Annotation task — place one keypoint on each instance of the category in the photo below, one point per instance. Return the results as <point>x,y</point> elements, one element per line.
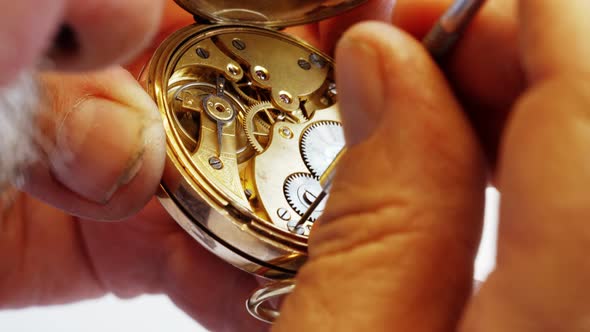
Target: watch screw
<point>261,75</point>
<point>216,163</point>
<point>202,53</point>
<point>285,98</point>
<point>304,64</point>
<point>317,60</point>
<point>299,230</point>
<point>286,132</point>
<point>332,91</point>
<point>284,214</point>
<point>234,70</point>
<point>239,44</point>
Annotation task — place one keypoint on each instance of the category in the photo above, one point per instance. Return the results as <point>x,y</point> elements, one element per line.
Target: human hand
<point>105,158</point>
<point>97,126</point>
<point>395,248</point>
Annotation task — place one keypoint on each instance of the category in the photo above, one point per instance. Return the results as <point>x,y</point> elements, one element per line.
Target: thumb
<point>541,280</point>
<point>395,248</point>
<point>104,142</point>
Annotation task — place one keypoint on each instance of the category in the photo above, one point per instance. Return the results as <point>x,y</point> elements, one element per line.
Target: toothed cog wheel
<point>301,190</point>
<point>321,143</point>
<point>247,92</point>
<point>257,123</point>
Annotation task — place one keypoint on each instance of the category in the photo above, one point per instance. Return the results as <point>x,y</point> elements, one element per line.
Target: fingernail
<point>99,148</point>
<point>360,87</point>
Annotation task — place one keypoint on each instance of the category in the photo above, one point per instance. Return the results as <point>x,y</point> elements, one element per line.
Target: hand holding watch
<point>253,129</point>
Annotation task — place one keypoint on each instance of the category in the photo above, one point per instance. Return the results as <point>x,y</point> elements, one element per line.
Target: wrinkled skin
<point>396,245</point>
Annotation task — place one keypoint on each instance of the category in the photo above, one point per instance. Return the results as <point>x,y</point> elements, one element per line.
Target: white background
<point>157,313</point>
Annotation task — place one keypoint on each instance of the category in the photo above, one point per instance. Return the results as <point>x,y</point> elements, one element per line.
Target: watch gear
<point>248,92</point>
<point>257,124</point>
<point>259,119</point>
<point>321,143</point>
<point>301,191</point>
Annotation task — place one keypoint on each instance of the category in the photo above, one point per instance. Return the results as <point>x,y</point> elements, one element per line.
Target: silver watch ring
<point>257,304</point>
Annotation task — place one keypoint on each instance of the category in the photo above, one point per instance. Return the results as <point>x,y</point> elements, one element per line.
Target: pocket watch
<point>253,129</point>
<point>252,126</point>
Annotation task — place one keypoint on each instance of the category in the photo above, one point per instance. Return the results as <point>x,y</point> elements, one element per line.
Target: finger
<point>25,32</point>
<point>541,280</point>
<point>146,254</point>
<point>105,145</point>
<point>173,19</point>
<point>487,53</point>
<point>326,33</point>
<point>395,247</point>
<point>159,257</point>
<point>85,34</point>
<point>554,38</point>
<point>98,33</point>
<point>332,29</point>
<point>310,33</point>
<point>484,68</point>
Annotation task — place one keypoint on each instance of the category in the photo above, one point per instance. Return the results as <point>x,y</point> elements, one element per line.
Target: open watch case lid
<point>269,13</point>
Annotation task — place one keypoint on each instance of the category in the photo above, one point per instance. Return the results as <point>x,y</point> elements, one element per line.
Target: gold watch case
<point>252,129</point>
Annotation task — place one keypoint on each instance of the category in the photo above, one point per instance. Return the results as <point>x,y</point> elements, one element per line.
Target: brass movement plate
<point>252,125</point>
